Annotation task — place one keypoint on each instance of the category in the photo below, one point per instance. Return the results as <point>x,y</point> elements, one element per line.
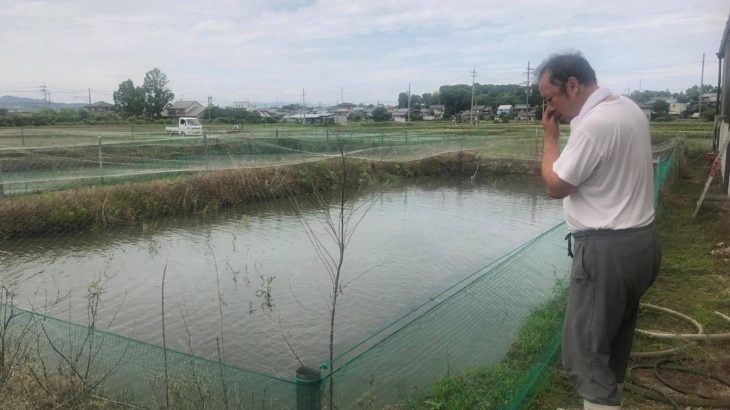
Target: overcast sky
<point>360,51</point>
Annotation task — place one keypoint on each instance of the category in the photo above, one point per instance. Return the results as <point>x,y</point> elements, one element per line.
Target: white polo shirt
<point>608,159</point>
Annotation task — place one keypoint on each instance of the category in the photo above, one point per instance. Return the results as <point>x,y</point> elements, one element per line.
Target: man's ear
<point>572,86</point>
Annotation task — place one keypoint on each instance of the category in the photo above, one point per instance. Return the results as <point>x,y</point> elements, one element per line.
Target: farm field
<point>40,159</point>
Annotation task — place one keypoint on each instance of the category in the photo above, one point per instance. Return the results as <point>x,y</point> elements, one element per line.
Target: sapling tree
<point>340,220</point>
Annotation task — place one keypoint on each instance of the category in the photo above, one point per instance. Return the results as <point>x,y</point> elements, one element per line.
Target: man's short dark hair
<point>564,66</point>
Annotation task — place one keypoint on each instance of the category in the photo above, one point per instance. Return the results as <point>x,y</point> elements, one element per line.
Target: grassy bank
<point>130,203</point>
<point>498,386</point>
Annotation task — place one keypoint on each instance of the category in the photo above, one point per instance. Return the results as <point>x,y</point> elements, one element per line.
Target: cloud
<point>262,49</point>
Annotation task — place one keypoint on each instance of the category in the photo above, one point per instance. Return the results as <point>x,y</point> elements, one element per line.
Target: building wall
<point>723,145</point>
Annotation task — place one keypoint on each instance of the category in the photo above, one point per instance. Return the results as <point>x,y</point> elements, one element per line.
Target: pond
<point>250,281</point>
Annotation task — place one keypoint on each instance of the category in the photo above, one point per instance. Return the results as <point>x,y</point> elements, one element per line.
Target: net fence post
<point>2,184</point>
<point>22,136</point>
<point>308,391</point>
<point>101,164</point>
<point>205,150</point>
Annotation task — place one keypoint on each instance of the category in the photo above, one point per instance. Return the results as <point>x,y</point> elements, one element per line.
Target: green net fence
<point>38,160</point>
<point>500,325</point>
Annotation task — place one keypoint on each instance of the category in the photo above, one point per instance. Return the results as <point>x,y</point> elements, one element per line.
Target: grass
<point>22,391</point>
<point>495,387</point>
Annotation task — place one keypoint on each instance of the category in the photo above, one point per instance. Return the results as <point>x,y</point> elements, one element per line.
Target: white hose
<point>699,336</point>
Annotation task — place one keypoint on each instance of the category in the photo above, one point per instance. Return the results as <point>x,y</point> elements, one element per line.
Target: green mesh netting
<point>50,162</point>
<point>491,320</point>
<point>134,372</point>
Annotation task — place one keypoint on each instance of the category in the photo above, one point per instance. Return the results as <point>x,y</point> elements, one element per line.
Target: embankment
<point>130,203</point>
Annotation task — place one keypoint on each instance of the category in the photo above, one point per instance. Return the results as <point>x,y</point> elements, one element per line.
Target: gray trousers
<point>611,271</point>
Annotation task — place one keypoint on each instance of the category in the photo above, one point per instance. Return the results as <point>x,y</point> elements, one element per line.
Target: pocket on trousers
<point>579,275</point>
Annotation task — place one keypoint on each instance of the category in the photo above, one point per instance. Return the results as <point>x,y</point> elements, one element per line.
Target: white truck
<point>186,126</point>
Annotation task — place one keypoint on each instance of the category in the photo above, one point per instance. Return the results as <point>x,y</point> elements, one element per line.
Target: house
<point>678,109</point>
<point>437,110</point>
<point>709,100</point>
<point>184,108</point>
<point>244,105</point>
<point>722,141</point>
<point>314,118</point>
<point>524,112</point>
<point>270,113</point>
<point>99,107</point>
<point>341,115</point>
<point>400,114</point>
<point>504,110</point>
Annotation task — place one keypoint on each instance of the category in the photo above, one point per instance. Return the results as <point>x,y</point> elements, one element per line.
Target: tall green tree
<point>381,114</point>
<point>661,107</point>
<point>403,100</point>
<point>129,100</point>
<point>157,95</point>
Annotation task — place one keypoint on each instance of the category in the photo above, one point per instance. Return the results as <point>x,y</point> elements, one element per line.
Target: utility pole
<point>527,98</point>
<point>471,111</point>
<point>89,97</point>
<point>210,106</point>
<point>302,108</point>
<point>699,98</point>
<point>408,114</point>
<point>46,95</point>
<point>342,96</point>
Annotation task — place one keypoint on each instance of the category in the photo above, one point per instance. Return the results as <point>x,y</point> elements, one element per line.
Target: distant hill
<point>22,104</point>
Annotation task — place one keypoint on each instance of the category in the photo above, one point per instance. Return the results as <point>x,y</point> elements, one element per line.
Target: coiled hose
<point>702,400</point>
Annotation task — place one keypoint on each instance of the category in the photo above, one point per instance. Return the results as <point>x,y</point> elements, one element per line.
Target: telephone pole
<point>471,111</point>
<point>527,98</point>
<point>408,114</point>
<point>302,109</point>
<point>46,95</point>
<point>699,98</point>
<point>210,105</point>
<point>89,97</point>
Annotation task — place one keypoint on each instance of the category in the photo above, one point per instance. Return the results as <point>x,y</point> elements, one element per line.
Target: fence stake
<point>101,166</point>
<point>22,136</point>
<point>406,137</point>
<point>2,184</point>
<point>205,150</point>
<point>277,136</point>
<point>308,392</point>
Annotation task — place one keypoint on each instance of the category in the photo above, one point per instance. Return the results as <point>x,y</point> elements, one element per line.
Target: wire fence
<point>54,164</point>
<point>451,333</point>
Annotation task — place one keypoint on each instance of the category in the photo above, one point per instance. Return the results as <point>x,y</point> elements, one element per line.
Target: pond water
<point>249,280</point>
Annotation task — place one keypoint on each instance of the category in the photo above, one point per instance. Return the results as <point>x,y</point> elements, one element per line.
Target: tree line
<point>148,100</point>
<point>457,98</point>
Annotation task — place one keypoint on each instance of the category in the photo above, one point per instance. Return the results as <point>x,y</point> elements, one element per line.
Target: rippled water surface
<point>251,279</point>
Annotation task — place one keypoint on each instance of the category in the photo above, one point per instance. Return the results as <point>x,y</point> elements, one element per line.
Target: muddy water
<point>251,278</point>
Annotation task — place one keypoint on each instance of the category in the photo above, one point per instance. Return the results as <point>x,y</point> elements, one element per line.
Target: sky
<point>273,51</point>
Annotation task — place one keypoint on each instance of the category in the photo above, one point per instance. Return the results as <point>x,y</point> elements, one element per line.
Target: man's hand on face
<point>550,123</point>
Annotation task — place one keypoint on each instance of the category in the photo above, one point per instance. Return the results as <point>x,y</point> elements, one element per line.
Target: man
<point>605,178</point>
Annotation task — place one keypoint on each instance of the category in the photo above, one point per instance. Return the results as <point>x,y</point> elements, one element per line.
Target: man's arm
<point>556,187</point>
